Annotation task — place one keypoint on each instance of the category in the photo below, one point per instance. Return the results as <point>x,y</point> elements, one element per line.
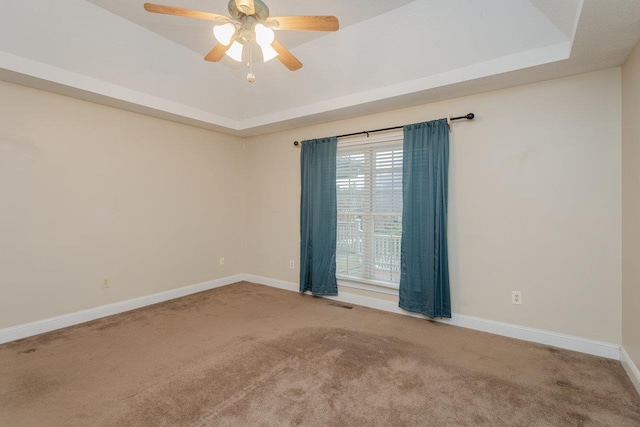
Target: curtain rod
<point>469,116</point>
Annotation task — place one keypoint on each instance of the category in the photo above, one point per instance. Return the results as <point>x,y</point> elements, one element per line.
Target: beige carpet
<point>247,354</point>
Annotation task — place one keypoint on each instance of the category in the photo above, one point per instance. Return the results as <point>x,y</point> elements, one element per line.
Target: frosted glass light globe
<point>224,33</point>
<point>235,52</point>
<point>264,35</point>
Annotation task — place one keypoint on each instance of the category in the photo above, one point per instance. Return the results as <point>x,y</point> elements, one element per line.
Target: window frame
<point>382,139</point>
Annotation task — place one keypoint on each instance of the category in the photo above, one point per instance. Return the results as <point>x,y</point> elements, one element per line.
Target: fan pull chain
<point>250,76</point>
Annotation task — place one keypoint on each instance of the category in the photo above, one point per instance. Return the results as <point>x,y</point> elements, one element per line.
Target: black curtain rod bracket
<point>469,116</point>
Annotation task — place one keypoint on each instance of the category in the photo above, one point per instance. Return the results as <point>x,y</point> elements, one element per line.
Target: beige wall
<point>631,206</point>
<point>535,202</point>
<point>88,192</point>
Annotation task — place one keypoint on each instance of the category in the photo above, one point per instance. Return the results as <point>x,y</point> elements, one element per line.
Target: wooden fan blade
<point>286,57</point>
<point>188,13</point>
<point>246,6</point>
<point>217,52</point>
<point>303,23</point>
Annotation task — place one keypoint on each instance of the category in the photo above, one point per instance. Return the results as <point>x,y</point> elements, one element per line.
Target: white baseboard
<point>631,368</point>
<point>569,342</point>
<point>541,336</point>
<point>274,283</point>
<point>28,329</point>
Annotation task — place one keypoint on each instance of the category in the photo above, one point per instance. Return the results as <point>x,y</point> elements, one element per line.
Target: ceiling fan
<point>249,21</point>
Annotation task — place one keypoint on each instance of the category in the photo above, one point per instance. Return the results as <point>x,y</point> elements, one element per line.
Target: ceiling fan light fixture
<point>249,23</point>
<point>264,35</point>
<point>235,52</point>
<point>223,33</point>
<point>268,52</point>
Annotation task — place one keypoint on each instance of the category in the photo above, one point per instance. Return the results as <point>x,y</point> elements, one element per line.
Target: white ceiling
<point>387,54</point>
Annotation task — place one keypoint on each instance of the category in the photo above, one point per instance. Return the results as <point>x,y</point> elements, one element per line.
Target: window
<point>369,192</point>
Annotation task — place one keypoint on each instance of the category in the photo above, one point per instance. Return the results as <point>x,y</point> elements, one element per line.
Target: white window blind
<point>369,192</point>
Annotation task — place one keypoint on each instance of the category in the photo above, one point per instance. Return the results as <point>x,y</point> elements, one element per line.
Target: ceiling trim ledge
<point>492,67</point>
<point>46,77</point>
<point>35,74</point>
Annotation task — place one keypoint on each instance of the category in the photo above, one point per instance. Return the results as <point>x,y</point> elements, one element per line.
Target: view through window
<point>369,191</point>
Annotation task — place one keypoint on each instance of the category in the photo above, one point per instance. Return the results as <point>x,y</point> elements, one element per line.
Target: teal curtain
<point>318,217</point>
<point>424,265</point>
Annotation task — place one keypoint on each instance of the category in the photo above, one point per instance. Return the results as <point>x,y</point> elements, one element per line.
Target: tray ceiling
<point>387,54</point>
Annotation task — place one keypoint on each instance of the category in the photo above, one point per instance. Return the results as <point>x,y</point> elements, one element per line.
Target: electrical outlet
<point>222,261</point>
<point>292,264</point>
<point>105,283</point>
<point>516,297</point>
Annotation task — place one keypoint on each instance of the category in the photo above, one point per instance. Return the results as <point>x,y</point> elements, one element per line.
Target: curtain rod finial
<point>296,143</point>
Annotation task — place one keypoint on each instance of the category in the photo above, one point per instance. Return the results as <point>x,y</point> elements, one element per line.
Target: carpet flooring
<point>246,354</point>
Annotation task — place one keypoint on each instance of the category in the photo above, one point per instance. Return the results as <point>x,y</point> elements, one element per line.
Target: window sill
<point>371,286</point>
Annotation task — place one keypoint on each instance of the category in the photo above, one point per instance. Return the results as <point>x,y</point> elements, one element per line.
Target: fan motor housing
<point>246,32</point>
<point>262,11</point>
